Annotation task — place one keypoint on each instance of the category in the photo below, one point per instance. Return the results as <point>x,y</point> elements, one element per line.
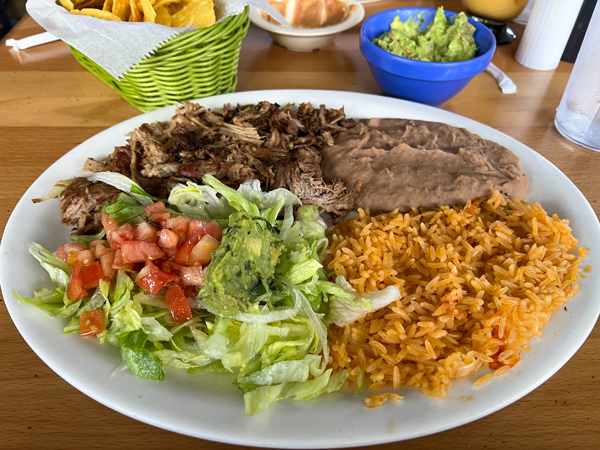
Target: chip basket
<point>199,63</point>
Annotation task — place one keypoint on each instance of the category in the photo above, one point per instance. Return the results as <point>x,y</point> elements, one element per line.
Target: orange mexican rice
<point>477,283</point>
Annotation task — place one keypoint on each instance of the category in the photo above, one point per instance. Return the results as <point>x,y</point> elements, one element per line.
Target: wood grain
<point>49,104</point>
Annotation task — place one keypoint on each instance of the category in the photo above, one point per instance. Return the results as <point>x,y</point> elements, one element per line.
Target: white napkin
<point>118,46</point>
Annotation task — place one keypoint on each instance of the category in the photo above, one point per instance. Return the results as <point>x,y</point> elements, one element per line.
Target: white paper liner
<point>119,46</point>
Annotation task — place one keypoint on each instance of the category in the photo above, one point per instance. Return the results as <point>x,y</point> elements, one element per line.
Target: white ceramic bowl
<point>308,39</point>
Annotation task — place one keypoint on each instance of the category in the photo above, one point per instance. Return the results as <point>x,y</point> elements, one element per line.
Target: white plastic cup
<point>523,18</point>
<point>578,114</point>
<point>547,33</point>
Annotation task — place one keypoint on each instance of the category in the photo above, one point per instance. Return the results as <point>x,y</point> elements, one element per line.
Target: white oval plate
<point>209,406</point>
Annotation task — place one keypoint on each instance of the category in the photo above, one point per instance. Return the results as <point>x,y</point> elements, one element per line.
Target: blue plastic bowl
<point>431,83</point>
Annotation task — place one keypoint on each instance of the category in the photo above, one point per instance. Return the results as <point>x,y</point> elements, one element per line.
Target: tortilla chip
<point>81,4</point>
<point>97,13</point>
<point>147,10</point>
<point>163,3</point>
<point>122,9</point>
<point>67,4</point>
<point>199,13</point>
<point>136,13</point>
<point>163,17</point>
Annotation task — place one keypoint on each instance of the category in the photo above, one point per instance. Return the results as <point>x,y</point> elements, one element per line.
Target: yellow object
<point>121,8</point>
<point>200,13</point>
<point>98,13</point>
<point>163,17</point>
<point>67,4</point>
<point>148,10</point>
<point>500,10</point>
<point>175,13</point>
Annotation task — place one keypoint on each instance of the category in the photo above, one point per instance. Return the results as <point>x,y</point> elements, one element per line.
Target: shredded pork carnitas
<point>279,146</point>
<point>82,201</point>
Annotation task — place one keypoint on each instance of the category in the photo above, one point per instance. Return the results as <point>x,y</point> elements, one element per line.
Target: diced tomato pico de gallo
<point>166,252</point>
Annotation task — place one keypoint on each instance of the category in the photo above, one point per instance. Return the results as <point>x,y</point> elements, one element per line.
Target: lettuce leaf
<point>59,271</point>
<point>53,302</point>
<point>200,202</point>
<point>124,184</point>
<point>347,305</point>
<point>139,359</point>
<point>216,201</point>
<point>261,398</point>
<point>86,239</point>
<point>121,293</point>
<point>126,209</point>
<point>235,199</point>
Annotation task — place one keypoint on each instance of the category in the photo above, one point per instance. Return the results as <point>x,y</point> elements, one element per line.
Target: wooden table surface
<point>49,104</point>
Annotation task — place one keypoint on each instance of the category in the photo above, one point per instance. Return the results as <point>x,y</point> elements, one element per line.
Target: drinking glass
<point>578,114</point>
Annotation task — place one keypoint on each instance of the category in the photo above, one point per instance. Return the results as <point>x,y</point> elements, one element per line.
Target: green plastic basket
<point>196,64</point>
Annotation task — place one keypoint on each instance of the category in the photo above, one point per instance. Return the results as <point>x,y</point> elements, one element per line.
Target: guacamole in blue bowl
<point>432,81</point>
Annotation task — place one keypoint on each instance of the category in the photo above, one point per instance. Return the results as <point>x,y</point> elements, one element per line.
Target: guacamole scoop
<point>244,262</point>
<point>441,41</point>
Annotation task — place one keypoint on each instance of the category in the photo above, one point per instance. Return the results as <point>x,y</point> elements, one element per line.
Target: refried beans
<point>406,163</point>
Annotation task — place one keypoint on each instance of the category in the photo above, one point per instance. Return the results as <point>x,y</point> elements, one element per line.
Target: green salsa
<point>441,41</point>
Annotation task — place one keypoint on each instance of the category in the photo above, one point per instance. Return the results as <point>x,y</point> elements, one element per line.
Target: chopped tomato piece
<point>167,239</point>
<point>156,206</point>
<point>215,230</point>
<point>169,252</point>
<point>178,304</point>
<point>118,262</point>
<point>152,279</point>
<point>185,275</point>
<point>182,256</point>
<point>157,212</point>
<point>61,253</point>
<point>69,252</point>
<point>191,291</point>
<point>146,232</point>
<point>196,230</point>
<point>173,269</point>
<point>75,289</point>
<point>202,251</point>
<point>178,224</point>
<point>109,223</point>
<point>169,266</point>
<point>140,251</point>
<point>86,257</point>
<point>99,247</point>
<point>74,247</point>
<point>199,228</point>
<point>96,242</point>
<point>191,276</point>
<point>91,275</point>
<point>119,235</point>
<point>107,263</point>
<point>91,323</point>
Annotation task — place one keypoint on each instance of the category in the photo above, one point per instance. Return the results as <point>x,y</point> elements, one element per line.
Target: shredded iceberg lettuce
<point>347,305</point>
<point>124,184</point>
<point>274,334</point>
